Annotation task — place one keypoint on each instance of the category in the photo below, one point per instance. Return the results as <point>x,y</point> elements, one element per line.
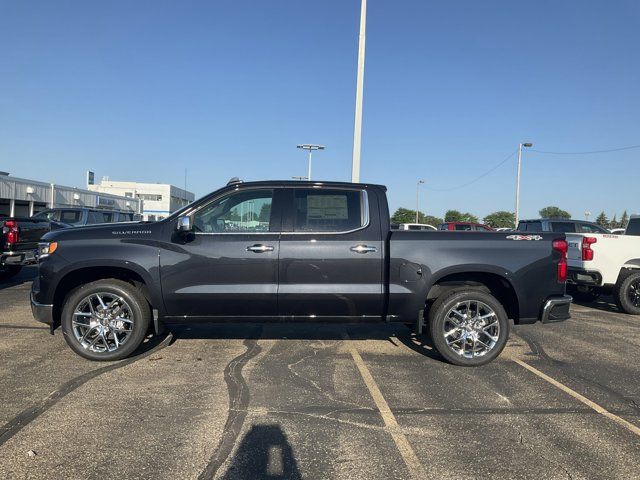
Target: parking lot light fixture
<point>520,147</point>
<point>310,148</point>
<point>420,182</point>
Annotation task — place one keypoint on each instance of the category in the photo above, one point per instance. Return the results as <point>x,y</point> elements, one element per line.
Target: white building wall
<point>159,199</point>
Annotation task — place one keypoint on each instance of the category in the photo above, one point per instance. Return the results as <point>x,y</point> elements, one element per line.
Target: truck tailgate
<point>30,232</point>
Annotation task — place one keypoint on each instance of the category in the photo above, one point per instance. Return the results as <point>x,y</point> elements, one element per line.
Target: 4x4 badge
<point>524,237</point>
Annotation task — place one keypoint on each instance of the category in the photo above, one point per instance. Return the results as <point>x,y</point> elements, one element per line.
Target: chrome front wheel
<point>102,322</point>
<point>106,319</point>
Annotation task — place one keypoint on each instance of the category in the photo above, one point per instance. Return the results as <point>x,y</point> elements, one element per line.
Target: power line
<point>477,178</point>
<point>630,147</point>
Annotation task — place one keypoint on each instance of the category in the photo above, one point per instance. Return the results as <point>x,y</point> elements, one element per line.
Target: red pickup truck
<point>19,238</point>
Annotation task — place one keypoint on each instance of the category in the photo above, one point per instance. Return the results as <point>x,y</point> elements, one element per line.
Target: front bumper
<point>41,312</point>
<point>556,309</point>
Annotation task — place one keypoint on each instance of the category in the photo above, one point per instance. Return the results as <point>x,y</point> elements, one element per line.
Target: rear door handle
<point>363,249</point>
<point>259,248</point>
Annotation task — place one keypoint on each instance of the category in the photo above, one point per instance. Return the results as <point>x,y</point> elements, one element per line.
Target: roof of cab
<point>306,183</point>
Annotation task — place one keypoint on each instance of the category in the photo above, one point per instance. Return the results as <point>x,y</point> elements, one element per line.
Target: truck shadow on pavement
<point>25,276</point>
<point>603,303</point>
<point>396,334</point>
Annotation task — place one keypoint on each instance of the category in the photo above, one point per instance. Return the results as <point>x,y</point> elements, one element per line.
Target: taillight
<point>562,247</point>
<point>11,231</point>
<point>587,253</point>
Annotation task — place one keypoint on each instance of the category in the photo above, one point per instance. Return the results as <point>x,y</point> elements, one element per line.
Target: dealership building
<point>22,197</point>
<point>159,199</point>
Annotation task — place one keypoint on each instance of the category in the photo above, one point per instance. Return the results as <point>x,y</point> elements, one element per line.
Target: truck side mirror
<point>184,224</point>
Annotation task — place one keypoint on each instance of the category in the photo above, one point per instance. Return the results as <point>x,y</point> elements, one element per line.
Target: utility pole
<point>418,198</point>
<point>357,129</point>
<point>526,145</point>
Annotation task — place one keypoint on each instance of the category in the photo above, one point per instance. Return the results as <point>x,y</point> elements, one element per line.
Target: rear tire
<point>9,271</point>
<point>627,294</point>
<point>99,333</point>
<point>468,327</point>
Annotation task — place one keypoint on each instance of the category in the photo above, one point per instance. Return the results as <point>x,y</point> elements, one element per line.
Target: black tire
<point>583,294</point>
<point>9,271</point>
<point>439,316</point>
<point>627,294</point>
<point>139,310</point>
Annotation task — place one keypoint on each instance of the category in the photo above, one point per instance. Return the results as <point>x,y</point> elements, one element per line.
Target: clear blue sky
<point>140,90</point>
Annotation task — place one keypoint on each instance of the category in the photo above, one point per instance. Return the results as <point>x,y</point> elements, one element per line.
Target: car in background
<point>465,227</point>
<point>504,229</point>
<point>80,216</point>
<point>560,225</point>
<point>617,231</point>
<point>416,226</point>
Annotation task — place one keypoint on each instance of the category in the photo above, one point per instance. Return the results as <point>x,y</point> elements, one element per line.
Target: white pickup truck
<point>606,263</point>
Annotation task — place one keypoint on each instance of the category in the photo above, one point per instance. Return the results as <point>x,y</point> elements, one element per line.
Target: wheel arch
<point>494,283</point>
<point>127,272</point>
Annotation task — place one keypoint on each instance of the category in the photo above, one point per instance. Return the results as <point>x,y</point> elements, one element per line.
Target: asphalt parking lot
<point>320,401</point>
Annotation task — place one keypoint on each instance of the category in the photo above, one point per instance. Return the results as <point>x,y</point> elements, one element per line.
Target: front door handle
<point>363,249</point>
<point>259,248</point>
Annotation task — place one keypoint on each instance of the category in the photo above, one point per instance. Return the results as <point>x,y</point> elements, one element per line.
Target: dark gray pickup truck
<point>296,251</point>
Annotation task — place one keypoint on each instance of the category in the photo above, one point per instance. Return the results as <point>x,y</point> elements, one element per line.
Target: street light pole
<point>310,148</point>
<point>526,145</point>
<point>418,198</point>
<point>357,128</point>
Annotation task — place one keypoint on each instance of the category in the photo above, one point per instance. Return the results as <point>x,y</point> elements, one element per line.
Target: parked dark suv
<point>562,225</point>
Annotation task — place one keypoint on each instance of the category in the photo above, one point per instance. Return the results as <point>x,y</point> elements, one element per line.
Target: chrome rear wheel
<point>471,329</point>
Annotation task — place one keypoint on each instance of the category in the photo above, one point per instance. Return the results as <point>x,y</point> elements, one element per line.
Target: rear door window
<point>465,228</point>
<point>563,227</point>
<point>330,210</point>
<point>71,217</point>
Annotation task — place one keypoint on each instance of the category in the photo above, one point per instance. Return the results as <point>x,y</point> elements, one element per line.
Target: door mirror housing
<point>184,224</point>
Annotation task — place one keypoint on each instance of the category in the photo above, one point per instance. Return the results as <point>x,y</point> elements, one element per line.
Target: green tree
<point>456,216</point>
<point>602,220</point>
<point>554,212</point>
<point>614,222</point>
<point>404,215</point>
<point>500,219</point>
<point>431,220</point>
<point>624,219</point>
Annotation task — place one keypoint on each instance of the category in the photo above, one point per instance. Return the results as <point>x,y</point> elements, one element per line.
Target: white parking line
<point>601,410</point>
<point>408,455</point>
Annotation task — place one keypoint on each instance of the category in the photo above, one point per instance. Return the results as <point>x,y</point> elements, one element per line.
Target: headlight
<point>46,248</point>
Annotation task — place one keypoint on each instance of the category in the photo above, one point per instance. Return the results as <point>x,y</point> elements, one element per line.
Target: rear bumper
<point>41,312</point>
<point>556,309</point>
<point>580,276</point>
<point>23,257</point>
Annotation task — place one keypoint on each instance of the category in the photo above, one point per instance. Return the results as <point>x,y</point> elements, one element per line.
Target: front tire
<point>468,327</point>
<point>627,294</point>
<point>105,320</point>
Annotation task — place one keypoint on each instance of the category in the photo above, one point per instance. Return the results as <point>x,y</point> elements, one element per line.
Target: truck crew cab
<point>296,251</point>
